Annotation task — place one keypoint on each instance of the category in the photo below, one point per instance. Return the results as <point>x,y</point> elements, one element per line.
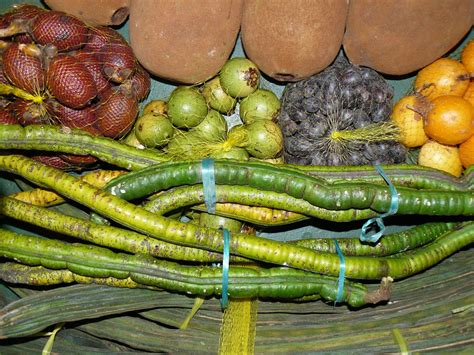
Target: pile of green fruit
<point>192,123</point>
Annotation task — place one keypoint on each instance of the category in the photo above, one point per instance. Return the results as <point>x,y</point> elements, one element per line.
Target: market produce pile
<point>438,116</point>
<point>166,209</point>
<point>57,70</point>
<point>340,117</point>
<point>191,125</point>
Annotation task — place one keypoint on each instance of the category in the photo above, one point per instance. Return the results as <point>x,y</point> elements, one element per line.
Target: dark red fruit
<point>54,161</point>
<point>70,82</point>
<point>100,36</point>
<point>16,22</point>
<point>116,113</point>
<point>140,81</point>
<point>22,12</point>
<point>23,38</point>
<point>23,70</point>
<point>79,160</point>
<point>64,31</point>
<point>95,68</point>
<point>118,61</point>
<point>25,12</point>
<point>28,113</point>
<point>4,21</point>
<point>84,119</point>
<point>7,116</point>
<point>3,78</point>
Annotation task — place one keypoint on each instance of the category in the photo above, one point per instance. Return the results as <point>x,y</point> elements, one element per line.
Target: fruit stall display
<point>188,181</point>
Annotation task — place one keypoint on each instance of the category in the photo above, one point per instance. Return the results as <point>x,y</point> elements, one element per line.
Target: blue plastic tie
<point>379,220</point>
<point>225,269</point>
<point>209,184</point>
<point>342,273</point>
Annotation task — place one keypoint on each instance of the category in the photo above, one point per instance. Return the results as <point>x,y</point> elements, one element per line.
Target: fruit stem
<point>16,27</point>
<point>372,133</point>
<point>11,90</point>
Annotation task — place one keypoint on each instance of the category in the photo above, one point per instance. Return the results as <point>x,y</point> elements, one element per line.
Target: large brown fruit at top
<point>400,36</point>
<point>23,70</point>
<point>189,41</point>
<point>103,12</point>
<point>64,31</point>
<point>291,40</point>
<point>70,82</point>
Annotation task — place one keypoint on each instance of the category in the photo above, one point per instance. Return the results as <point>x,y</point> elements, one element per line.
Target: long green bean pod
<point>76,141</point>
<point>133,242</point>
<point>107,236</point>
<point>296,184</point>
<point>248,246</point>
<point>244,282</point>
<point>390,244</point>
<point>261,216</point>
<point>191,195</point>
<point>57,139</point>
<point>408,175</point>
<point>41,276</point>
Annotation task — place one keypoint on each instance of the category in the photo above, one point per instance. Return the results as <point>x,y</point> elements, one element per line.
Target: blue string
<point>209,184</point>
<point>225,269</point>
<point>379,220</point>
<point>342,273</point>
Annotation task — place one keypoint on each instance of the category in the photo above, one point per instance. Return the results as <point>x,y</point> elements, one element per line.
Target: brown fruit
<point>7,116</point>
<point>3,78</point>
<point>104,12</point>
<point>5,20</point>
<point>291,40</point>
<point>100,36</point>
<point>140,82</point>
<point>78,160</point>
<point>16,22</point>
<point>116,113</point>
<point>62,30</point>
<point>84,118</point>
<point>22,70</point>
<point>23,38</point>
<point>400,36</point>
<point>54,161</point>
<point>189,41</point>
<point>28,113</point>
<point>70,82</point>
<point>118,61</point>
<point>25,12</point>
<point>95,69</point>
